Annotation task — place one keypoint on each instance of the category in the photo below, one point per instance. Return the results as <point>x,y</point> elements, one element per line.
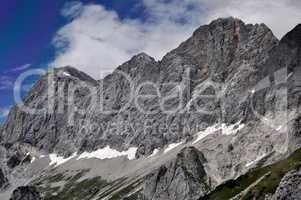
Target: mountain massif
<point>217,118</point>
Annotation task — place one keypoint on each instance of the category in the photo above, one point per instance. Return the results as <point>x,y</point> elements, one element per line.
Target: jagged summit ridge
<point>215,52</point>
<point>73,72</point>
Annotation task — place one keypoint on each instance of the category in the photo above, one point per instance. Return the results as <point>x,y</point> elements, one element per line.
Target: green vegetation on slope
<point>85,189</point>
<point>61,186</point>
<point>268,185</point>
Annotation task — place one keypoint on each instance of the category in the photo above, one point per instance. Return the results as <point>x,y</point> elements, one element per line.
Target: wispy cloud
<point>4,112</point>
<point>97,39</point>
<point>7,78</point>
<point>6,82</point>
<point>21,68</point>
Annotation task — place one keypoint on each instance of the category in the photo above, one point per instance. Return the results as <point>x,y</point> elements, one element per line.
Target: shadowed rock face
<point>288,55</point>
<point>13,161</point>
<point>3,180</point>
<point>181,179</point>
<point>293,38</point>
<point>25,193</point>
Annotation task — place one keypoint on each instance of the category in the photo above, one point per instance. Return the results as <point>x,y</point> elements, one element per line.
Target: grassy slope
<point>268,185</point>
<point>87,189</point>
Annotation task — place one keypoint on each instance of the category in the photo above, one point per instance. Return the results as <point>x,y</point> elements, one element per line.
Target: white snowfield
<point>108,153</point>
<point>232,129</point>
<point>58,160</point>
<point>202,134</point>
<point>172,146</point>
<point>278,128</point>
<point>255,161</point>
<point>33,158</point>
<point>226,130</point>
<point>105,153</point>
<point>66,74</point>
<point>155,152</point>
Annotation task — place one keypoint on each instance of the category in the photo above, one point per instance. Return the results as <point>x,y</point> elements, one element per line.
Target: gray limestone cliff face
<point>224,53</point>
<point>119,121</point>
<point>181,179</point>
<point>289,187</point>
<point>227,55</point>
<point>42,121</point>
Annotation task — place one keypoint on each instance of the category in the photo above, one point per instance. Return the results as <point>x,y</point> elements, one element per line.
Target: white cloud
<point>72,9</point>
<point>97,39</point>
<point>21,68</point>
<point>4,112</point>
<point>6,82</point>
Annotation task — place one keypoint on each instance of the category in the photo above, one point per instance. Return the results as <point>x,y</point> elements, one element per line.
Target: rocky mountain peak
<point>137,63</point>
<point>144,57</point>
<point>219,43</point>
<point>226,22</point>
<point>228,25</point>
<point>72,72</point>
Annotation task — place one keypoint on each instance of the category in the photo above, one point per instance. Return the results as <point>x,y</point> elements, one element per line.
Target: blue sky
<point>98,35</point>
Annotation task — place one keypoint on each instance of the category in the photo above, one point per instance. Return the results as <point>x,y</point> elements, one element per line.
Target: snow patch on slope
<point>155,152</point>
<point>32,159</point>
<point>255,161</point>
<point>278,128</point>
<point>108,153</point>
<point>66,74</point>
<point>226,130</point>
<point>231,129</point>
<point>58,160</point>
<point>202,134</point>
<point>172,146</point>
